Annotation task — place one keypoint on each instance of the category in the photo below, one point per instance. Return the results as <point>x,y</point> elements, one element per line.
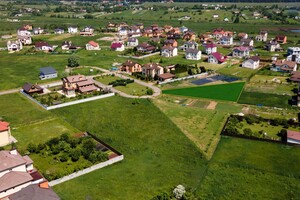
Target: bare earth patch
<point>212,105</point>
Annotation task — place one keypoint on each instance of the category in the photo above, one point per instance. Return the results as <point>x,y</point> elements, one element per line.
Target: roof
<point>87,88</point>
<point>241,48</point>
<point>28,160</point>
<point>254,58</point>
<point>13,179</point>
<point>170,48</point>
<point>75,78</point>
<point>83,83</point>
<point>210,46</point>
<point>280,37</point>
<point>36,175</point>
<point>129,63</point>
<point>10,160</point>
<point>152,66</point>
<point>293,135</point>
<point>194,51</point>
<point>132,39</point>
<point>116,45</point>
<point>295,76</point>
<point>35,192</point>
<point>4,126</point>
<point>28,86</point>
<point>166,76</point>
<point>94,44</point>
<point>290,64</point>
<point>48,70</point>
<point>41,44</point>
<point>218,56</point>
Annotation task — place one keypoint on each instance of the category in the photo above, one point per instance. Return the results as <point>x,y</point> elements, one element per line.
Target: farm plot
<point>226,92</point>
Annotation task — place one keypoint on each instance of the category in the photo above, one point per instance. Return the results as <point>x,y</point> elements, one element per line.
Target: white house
<point>25,40</point>
<point>72,29</point>
<point>91,45</point>
<point>117,46</point>
<point>295,58</point>
<point>226,40</point>
<point>190,45</point>
<point>210,48</point>
<point>193,54</point>
<point>38,31</point>
<point>123,32</point>
<point>251,63</point>
<point>5,135</point>
<point>247,42</point>
<point>43,46</point>
<point>59,31</point>
<point>14,45</point>
<point>273,46</point>
<point>262,37</point>
<point>240,52</point>
<point>87,31</point>
<point>284,66</point>
<point>47,73</point>
<point>293,51</point>
<point>183,29</point>
<point>15,173</point>
<point>23,32</point>
<point>215,16</point>
<point>216,58</point>
<point>132,42</point>
<point>169,51</point>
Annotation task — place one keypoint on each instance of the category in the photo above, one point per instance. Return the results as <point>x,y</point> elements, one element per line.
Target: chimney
<point>44,185</point>
<point>13,152</point>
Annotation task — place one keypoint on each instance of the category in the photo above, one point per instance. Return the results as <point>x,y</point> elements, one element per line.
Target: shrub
<point>63,157</point>
<point>31,148</point>
<point>149,91</point>
<point>75,155</point>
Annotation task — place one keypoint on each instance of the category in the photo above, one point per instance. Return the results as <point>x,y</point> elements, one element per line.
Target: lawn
<point>87,71</point>
<point>200,125</point>
<point>157,154</point>
<point>226,92</point>
<point>237,71</point>
<point>265,99</point>
<point>246,169</point>
<point>133,89</point>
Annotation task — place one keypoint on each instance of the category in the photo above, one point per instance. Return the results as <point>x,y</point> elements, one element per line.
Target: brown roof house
<point>284,66</point>
<point>145,48</point>
<point>262,37</point>
<point>78,83</point>
<point>189,36</point>
<point>91,45</point>
<point>16,173</point>
<point>282,39</point>
<point>131,67</point>
<point>30,89</point>
<point>166,77</point>
<point>295,77</point>
<point>5,134</point>
<point>152,70</point>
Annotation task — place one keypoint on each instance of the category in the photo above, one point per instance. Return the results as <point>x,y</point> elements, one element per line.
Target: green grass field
<point>157,154</point>
<point>246,169</point>
<point>226,92</point>
<point>265,99</point>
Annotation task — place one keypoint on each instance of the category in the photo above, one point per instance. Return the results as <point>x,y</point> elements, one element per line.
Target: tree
<point>179,191</point>
<point>247,131</point>
<point>73,61</point>
<point>75,155</point>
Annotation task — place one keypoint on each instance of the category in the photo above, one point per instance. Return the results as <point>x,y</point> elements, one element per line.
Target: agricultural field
<point>225,92</point>
<point>245,169</point>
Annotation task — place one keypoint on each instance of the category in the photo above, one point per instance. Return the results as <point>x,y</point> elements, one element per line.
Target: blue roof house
<point>47,73</point>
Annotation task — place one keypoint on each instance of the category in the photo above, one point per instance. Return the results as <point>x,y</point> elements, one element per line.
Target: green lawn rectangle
<point>227,92</point>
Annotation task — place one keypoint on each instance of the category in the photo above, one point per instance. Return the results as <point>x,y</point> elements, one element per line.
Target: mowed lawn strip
<point>226,92</point>
<point>158,156</point>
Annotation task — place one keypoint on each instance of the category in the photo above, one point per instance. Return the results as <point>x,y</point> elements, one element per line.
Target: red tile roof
<point>4,126</point>
<point>116,45</point>
<point>88,88</point>
<point>293,135</point>
<point>94,44</point>
<point>219,56</point>
<point>210,46</point>
<point>13,179</point>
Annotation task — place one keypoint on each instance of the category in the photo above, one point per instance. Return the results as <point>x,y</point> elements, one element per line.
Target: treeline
<point>228,1</point>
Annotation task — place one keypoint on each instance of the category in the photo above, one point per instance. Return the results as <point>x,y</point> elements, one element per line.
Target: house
<point>145,48</point>
<point>189,36</point>
<point>166,77</point>
<point>132,42</point>
<point>190,45</point>
<point>47,73</point>
<point>240,51</point>
<point>210,48</point>
<point>91,45</point>
<point>295,58</point>
<point>158,32</point>
<point>216,58</point>
<point>170,42</point>
<point>147,32</point>
<point>25,40</point>
<point>256,14</point>
<point>262,37</point>
<point>117,46</point>
<point>30,89</point>
<point>23,32</point>
<point>284,66</point>
<point>295,77</point>
<point>35,192</point>
<point>43,46</point>
<point>87,31</point>
<point>67,45</point>
<point>59,31</point>
<point>28,27</point>
<point>5,134</point>
<point>169,51</point>
<point>226,19</point>
<point>251,63</point>
<point>78,83</point>
<point>215,16</point>
<point>247,42</point>
<point>152,70</point>
<point>273,46</point>
<point>131,67</point>
<point>293,51</point>
<point>293,137</point>
<point>112,27</point>
<point>72,29</point>
<point>282,39</point>
<point>14,45</point>
<point>193,54</point>
<point>226,40</point>
<point>204,37</point>
<point>38,31</point>
<point>242,35</point>
<point>218,33</point>
<point>183,29</point>
<point>167,28</point>
<point>134,31</point>
<point>123,32</point>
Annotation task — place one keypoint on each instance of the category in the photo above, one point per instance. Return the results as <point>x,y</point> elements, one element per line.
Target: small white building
<point>169,51</point>
<point>91,45</point>
<point>23,32</point>
<point>38,31</point>
<point>251,63</point>
<point>25,40</point>
<point>47,73</point>
<point>210,48</point>
<point>43,46</point>
<point>293,51</point>
<point>193,54</point>
<point>87,31</point>
<point>72,29</point>
<point>226,40</point>
<point>132,42</point>
<point>240,52</point>
<point>14,45</point>
<point>262,37</point>
<point>190,45</point>
<point>215,16</point>
<point>59,31</point>
<point>216,58</point>
<point>5,135</point>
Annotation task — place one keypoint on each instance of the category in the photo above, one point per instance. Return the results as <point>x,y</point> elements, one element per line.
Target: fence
<point>184,78</point>
<point>68,103</point>
<point>87,170</point>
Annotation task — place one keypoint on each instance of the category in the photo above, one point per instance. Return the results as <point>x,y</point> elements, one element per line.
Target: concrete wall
<point>68,103</point>
<point>87,170</point>
<point>4,138</point>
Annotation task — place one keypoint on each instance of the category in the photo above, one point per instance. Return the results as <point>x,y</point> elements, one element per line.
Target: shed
<point>47,73</point>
